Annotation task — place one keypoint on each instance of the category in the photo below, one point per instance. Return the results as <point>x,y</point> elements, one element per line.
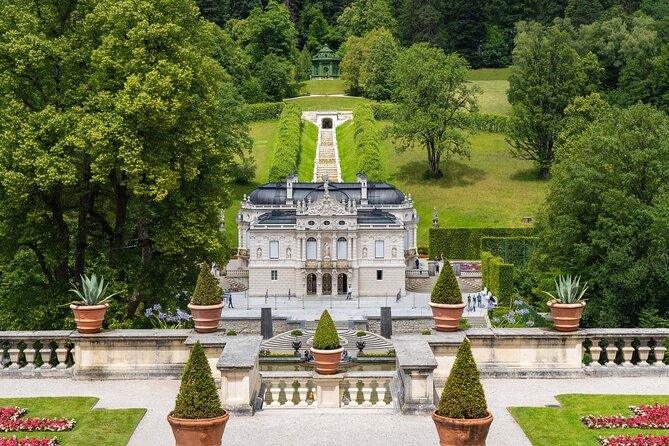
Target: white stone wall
<point>260,281</point>
<point>393,281</point>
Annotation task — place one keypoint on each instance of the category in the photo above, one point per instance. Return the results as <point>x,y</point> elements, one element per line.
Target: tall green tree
<point>606,214</point>
<point>269,30</point>
<point>464,23</point>
<point>583,11</point>
<point>123,130</point>
<point>316,30</point>
<point>546,75</point>
<point>422,21</point>
<point>431,90</point>
<point>364,16</point>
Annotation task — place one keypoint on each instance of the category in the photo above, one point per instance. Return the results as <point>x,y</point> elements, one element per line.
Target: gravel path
<point>354,428</point>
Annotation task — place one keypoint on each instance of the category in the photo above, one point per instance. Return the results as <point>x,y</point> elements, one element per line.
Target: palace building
<point>320,238</point>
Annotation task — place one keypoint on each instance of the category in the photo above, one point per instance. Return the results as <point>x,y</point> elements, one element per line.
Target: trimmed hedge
<point>198,395</point>
<point>465,243</point>
<point>287,148</point>
<point>326,336</point>
<point>497,276</point>
<point>265,111</point>
<point>463,396</point>
<point>514,250</point>
<point>446,290</point>
<point>367,143</point>
<point>207,291</point>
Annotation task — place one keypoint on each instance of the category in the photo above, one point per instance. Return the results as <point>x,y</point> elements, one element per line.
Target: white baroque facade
<point>320,238</point>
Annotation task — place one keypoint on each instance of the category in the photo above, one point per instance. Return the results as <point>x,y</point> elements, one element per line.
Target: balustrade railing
<point>36,352</point>
<point>236,273</point>
<point>308,390</point>
<point>624,348</point>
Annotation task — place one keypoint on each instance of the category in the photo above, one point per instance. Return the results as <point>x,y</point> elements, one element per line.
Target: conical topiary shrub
<point>326,337</point>
<point>446,290</point>
<point>463,395</point>
<point>207,291</point>
<point>198,395</point>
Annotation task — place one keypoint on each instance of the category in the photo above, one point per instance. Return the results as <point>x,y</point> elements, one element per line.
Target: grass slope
<point>561,426</point>
<point>346,148</point>
<point>325,87</point>
<point>308,154</point>
<point>94,427</point>
<point>494,83</point>
<point>491,189</point>
<point>263,152</point>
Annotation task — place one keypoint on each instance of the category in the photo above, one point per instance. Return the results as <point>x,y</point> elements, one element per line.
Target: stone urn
<point>206,317</point>
<point>446,316</point>
<point>89,318</point>
<point>566,317</point>
<point>297,345</point>
<point>204,432</point>
<point>462,432</point>
<point>360,345</point>
<point>327,361</point>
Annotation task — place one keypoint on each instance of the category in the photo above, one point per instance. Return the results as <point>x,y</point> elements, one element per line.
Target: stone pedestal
<point>328,395</point>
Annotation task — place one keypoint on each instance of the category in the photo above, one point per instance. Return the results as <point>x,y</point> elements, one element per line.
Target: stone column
<point>327,390</point>
<point>240,376</point>
<point>415,366</point>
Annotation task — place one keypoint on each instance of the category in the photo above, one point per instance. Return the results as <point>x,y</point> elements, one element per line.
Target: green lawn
<point>561,426</point>
<point>328,102</point>
<point>94,427</point>
<point>325,87</point>
<point>308,154</point>
<point>490,74</point>
<point>346,148</point>
<point>491,189</point>
<point>494,85</point>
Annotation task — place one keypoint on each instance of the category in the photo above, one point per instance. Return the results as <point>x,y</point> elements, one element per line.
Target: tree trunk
<point>146,251</point>
<point>85,203</point>
<point>121,212</point>
<point>62,273</point>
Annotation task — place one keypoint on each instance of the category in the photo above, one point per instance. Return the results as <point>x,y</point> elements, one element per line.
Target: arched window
<point>342,248</point>
<point>311,248</point>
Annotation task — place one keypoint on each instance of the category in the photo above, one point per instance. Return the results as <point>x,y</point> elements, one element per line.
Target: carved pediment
<point>326,206</point>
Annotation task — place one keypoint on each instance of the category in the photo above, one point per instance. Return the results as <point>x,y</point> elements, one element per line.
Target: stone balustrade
<point>46,354</point>
<point>625,352</point>
<point>309,390</point>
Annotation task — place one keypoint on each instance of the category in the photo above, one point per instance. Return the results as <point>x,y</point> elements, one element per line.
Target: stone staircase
<point>326,162</point>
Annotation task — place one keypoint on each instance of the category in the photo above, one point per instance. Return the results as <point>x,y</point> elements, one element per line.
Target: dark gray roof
<point>377,193</point>
<point>375,216</point>
<point>278,218</point>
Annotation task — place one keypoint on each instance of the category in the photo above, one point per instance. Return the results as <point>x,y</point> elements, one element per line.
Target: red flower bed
<point>645,417</point>
<point>13,441</point>
<point>12,420</point>
<point>639,440</point>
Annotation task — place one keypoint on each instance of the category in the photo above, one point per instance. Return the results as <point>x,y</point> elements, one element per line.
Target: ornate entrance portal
<point>311,283</point>
<point>327,283</point>
<point>342,284</point>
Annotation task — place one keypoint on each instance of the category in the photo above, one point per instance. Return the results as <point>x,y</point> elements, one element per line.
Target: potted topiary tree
<point>462,418</point>
<point>198,418</point>
<point>327,348</point>
<point>567,307</point>
<point>446,301</point>
<point>89,311</point>
<point>206,304</point>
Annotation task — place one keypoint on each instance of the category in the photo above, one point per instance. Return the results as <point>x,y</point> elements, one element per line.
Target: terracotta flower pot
<point>566,317</point>
<point>447,317</point>
<point>89,318</point>
<point>460,432</point>
<point>206,317</point>
<point>327,361</point>
<point>205,432</point>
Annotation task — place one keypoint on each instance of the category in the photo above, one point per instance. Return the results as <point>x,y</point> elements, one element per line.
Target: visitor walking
<point>230,300</point>
<point>478,300</point>
<point>436,266</point>
<point>417,263</point>
<point>469,302</point>
<point>349,293</point>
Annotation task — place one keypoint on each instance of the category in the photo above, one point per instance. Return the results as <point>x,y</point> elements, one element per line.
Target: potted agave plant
<point>446,301</point>
<point>567,307</point>
<point>326,348</point>
<point>206,304</point>
<point>198,418</point>
<point>462,418</point>
<point>89,311</point>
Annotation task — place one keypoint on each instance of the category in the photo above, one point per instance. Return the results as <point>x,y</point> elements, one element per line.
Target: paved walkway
<point>352,427</point>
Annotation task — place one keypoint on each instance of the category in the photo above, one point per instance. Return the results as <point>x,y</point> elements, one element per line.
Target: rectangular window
<point>379,249</point>
<point>274,274</point>
<point>273,250</point>
<point>379,274</point>
<point>342,247</point>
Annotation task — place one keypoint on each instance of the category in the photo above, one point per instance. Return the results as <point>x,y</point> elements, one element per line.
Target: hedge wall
<point>465,243</point>
<point>265,111</point>
<point>485,122</point>
<point>287,148</point>
<point>514,250</point>
<point>497,276</point>
<point>367,143</point>
<point>383,111</point>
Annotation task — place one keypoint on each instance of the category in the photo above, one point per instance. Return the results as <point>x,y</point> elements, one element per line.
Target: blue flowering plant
<point>168,319</point>
<point>520,315</point>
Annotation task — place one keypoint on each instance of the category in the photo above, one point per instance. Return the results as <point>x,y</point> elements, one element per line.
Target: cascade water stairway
<point>327,156</point>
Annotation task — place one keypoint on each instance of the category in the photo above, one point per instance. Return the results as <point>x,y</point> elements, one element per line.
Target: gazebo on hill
<point>325,64</point>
